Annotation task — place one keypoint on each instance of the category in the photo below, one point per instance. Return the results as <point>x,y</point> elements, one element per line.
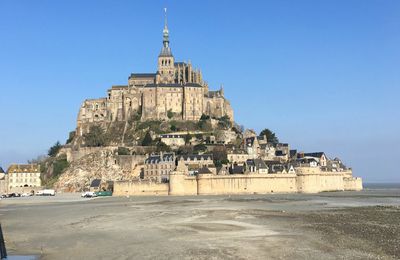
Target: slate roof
<point>279,153</point>
<point>316,155</point>
<point>258,163</point>
<point>269,163</point>
<point>276,168</point>
<point>236,169</point>
<point>306,160</point>
<point>165,52</point>
<point>197,156</point>
<point>204,170</point>
<point>292,153</point>
<point>153,159</point>
<point>143,75</point>
<point>95,183</point>
<point>1,170</point>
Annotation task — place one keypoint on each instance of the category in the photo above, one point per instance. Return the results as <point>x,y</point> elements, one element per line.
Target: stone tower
<point>166,68</point>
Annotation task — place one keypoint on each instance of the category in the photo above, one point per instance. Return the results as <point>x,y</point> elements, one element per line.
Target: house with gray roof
<point>256,166</point>
<point>157,167</point>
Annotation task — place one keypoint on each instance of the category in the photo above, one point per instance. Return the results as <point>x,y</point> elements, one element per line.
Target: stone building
<point>24,175</point>
<point>175,91</point>
<point>159,166</point>
<point>256,166</point>
<point>320,157</point>
<point>3,182</point>
<point>173,140</point>
<point>197,160</point>
<point>238,156</point>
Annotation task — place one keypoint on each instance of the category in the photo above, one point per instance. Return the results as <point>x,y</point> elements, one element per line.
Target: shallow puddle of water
<point>22,257</point>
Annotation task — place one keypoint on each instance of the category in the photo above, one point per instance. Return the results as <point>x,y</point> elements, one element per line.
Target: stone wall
<point>246,184</point>
<point>312,180</point>
<point>21,190</point>
<point>307,180</point>
<point>125,188</point>
<point>73,155</point>
<point>181,184</point>
<point>352,183</point>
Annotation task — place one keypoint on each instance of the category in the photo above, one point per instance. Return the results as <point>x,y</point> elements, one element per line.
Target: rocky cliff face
<point>98,165</point>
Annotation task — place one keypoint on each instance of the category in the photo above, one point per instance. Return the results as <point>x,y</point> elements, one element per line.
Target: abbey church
<point>176,91</point>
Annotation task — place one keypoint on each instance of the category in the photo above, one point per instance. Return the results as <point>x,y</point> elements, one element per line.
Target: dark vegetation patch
<point>375,230</point>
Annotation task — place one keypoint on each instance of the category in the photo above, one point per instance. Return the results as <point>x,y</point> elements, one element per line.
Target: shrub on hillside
<point>95,137</point>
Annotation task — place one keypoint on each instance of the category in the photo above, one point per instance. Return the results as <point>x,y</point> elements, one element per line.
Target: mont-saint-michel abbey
<point>177,88</point>
<point>167,133</point>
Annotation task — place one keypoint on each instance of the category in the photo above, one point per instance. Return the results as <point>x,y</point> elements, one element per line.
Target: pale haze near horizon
<point>323,75</point>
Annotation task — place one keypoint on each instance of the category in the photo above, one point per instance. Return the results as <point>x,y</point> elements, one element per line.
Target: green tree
<point>271,137</point>
<point>170,114</point>
<point>162,147</point>
<point>173,128</point>
<point>204,117</point>
<point>59,166</point>
<point>54,149</point>
<point>199,148</point>
<point>188,137</point>
<point>123,151</point>
<point>220,156</point>
<point>95,137</point>
<point>224,122</point>
<point>184,150</point>
<point>147,140</point>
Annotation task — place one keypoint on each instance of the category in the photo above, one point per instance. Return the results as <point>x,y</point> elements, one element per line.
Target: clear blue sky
<point>324,75</point>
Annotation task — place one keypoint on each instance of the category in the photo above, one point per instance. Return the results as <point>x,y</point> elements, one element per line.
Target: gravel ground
<point>341,225</point>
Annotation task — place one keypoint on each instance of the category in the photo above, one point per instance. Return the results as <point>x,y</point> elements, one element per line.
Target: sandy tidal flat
<point>344,225</point>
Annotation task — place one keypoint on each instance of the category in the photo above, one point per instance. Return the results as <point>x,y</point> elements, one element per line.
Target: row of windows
<point>162,166</point>
<point>25,174</point>
<point>23,180</point>
<point>165,62</point>
<point>155,173</point>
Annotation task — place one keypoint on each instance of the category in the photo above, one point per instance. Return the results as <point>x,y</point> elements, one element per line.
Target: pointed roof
<point>166,50</point>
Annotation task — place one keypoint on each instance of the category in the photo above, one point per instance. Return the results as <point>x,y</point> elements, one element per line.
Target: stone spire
<point>166,50</point>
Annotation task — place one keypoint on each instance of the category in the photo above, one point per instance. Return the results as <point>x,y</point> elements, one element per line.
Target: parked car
<point>46,192</point>
<point>13,195</point>
<point>88,194</point>
<point>26,194</point>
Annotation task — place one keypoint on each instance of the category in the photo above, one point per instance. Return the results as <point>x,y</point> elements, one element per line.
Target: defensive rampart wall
<point>125,188</point>
<point>306,180</point>
<point>352,183</point>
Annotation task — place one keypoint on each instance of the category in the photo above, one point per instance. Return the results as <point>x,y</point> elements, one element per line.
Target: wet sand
<point>339,225</point>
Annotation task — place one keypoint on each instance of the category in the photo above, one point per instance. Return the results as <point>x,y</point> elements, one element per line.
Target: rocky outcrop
<point>98,165</point>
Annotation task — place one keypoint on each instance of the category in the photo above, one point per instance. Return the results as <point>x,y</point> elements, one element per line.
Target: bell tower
<point>166,68</point>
